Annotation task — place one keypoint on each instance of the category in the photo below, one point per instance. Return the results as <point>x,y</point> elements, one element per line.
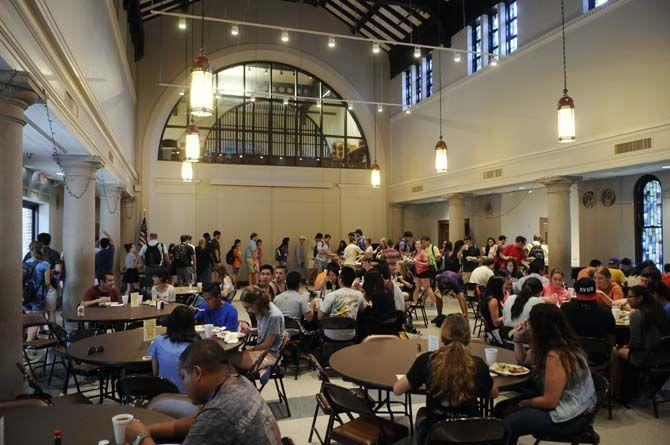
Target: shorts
<point>131,276</point>
<point>35,306</point>
<point>251,265</point>
<point>425,274</point>
<point>51,299</point>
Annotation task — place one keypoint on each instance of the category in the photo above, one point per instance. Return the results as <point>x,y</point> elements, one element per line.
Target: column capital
<point>18,91</point>
<point>78,165</point>
<point>457,197</point>
<point>559,182</point>
<point>110,190</point>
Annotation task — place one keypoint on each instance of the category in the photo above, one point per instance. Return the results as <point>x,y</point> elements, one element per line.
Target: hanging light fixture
<point>441,161</point>
<point>181,23</point>
<point>566,106</point>
<point>186,171</point>
<point>234,30</point>
<point>202,87</point>
<point>284,36</point>
<point>331,42</point>
<point>417,52</point>
<point>457,57</point>
<point>375,176</point>
<point>375,48</point>
<point>192,143</point>
<point>375,172</point>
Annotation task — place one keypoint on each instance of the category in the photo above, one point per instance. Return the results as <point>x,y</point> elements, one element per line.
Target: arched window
<point>274,114</point>
<point>649,220</point>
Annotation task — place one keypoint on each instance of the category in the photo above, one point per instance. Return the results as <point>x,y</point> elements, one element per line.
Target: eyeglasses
<point>95,349</point>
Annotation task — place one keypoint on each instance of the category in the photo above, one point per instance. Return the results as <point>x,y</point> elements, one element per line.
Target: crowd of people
<point>521,305</point>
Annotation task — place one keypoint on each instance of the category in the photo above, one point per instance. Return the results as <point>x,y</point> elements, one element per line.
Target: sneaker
<point>438,320</point>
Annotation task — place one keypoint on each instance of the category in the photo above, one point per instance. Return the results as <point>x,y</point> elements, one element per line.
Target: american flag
<point>143,231</point>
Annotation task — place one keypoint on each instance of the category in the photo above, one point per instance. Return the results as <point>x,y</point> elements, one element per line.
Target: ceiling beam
<point>367,16</point>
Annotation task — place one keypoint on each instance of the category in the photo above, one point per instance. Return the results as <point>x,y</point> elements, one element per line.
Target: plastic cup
<point>491,355</point>
<point>616,312</point>
<point>120,422</point>
<point>209,330</point>
<point>199,287</point>
<point>124,299</point>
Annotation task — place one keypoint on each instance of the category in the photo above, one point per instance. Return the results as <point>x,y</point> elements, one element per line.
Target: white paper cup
<point>491,355</point>
<point>209,330</point>
<point>120,422</point>
<point>616,312</point>
<point>124,298</point>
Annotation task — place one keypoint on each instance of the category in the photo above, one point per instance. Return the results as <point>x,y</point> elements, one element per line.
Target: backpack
<point>537,252</point>
<point>182,257</point>
<point>29,288</point>
<point>230,256</point>
<point>278,254</point>
<point>154,255</point>
<point>316,249</point>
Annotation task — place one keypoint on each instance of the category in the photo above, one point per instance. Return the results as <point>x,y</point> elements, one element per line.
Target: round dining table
<point>123,349</point>
<point>378,364</point>
<point>79,424</point>
<point>124,313</point>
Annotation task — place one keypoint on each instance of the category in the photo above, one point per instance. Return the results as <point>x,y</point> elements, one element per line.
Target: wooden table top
<point>376,364</point>
<point>119,313</point>
<point>80,424</point>
<point>123,348</point>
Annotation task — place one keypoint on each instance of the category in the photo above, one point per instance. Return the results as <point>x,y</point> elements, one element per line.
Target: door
<point>544,229</point>
<point>443,231</point>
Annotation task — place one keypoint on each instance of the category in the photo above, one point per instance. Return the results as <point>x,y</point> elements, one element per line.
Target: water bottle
<point>80,310</point>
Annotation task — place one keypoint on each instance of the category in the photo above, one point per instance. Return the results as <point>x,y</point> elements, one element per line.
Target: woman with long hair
<point>453,263</point>
<point>282,252</point>
<point>422,276</point>
<point>489,248</point>
<point>341,247</point>
<point>380,303</point>
<point>517,307</point>
<point>166,349</point>
<point>648,323</point>
<point>566,382</point>
<point>556,287</point>
<point>453,378</point>
<point>236,252</point>
<point>491,307</point>
<point>270,329</point>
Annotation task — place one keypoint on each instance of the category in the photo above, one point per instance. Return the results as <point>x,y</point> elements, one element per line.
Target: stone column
<point>110,221</point>
<point>456,217</point>
<point>558,206</point>
<point>56,215</point>
<point>128,226</point>
<point>78,225</point>
<point>17,93</point>
<point>396,223</point>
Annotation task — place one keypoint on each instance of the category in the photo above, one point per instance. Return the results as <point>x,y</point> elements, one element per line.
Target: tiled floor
<point>636,425</point>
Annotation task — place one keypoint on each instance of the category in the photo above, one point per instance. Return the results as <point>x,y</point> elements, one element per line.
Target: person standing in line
<point>53,257</point>
<point>300,259</point>
<point>361,239</point>
<point>470,256</point>
<point>251,258</point>
<point>215,247</point>
<point>203,261</point>
<point>132,275</point>
<point>312,270</point>
<point>154,256</point>
<point>36,283</point>
<point>323,254</point>
<point>184,261</point>
<point>281,255</point>
<point>234,259</point>
<point>259,252</point>
<point>406,244</point>
<point>104,258</point>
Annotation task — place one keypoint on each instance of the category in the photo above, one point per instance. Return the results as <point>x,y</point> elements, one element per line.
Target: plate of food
<point>508,369</point>
<point>624,319</point>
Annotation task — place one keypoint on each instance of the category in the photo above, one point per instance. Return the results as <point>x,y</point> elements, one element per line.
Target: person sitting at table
<point>327,281</point>
<point>233,410</point>
<point>215,310</point>
<point>292,303</point>
<point>534,271</point>
<point>556,286</point>
<point>379,301</point>
<point>270,329</point>
<point>648,324</point>
<point>492,308</point>
<point>278,283</point>
<point>166,348</point>
<point>614,265</point>
<point>517,307</point>
<point>344,302</point>
<point>507,276</point>
<point>481,274</point>
<point>390,284</point>
<point>265,277</point>
<point>162,290</point>
<point>649,274</point>
<point>567,386</point>
<point>662,294</point>
<point>590,270</point>
<point>608,291</point>
<point>453,378</point>
<point>586,316</point>
<point>103,292</point>
<point>220,276</point>
<point>451,282</point>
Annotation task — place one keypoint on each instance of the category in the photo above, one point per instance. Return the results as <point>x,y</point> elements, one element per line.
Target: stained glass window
<point>649,208</point>
<point>477,45</point>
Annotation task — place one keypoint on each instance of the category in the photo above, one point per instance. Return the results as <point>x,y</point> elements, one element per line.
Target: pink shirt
<point>562,293</point>
<point>420,262</point>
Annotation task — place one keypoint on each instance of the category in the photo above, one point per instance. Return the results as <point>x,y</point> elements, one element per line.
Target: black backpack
<point>182,256</point>
<point>537,252</point>
<point>278,254</point>
<point>230,256</point>
<point>154,255</point>
<point>29,288</point>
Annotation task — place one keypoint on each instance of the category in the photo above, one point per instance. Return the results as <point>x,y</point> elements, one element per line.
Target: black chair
<point>76,398</point>
<point>37,320</point>
<point>364,430</point>
<point>420,306</point>
<point>139,390</point>
<point>656,370</point>
<point>469,431</point>
<point>588,435</point>
<point>390,324</point>
<point>296,342</point>
<point>275,373</point>
<point>599,354</point>
<point>329,345</point>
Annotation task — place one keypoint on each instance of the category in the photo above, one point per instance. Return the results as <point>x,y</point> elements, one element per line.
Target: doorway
<point>544,229</point>
<point>443,231</point>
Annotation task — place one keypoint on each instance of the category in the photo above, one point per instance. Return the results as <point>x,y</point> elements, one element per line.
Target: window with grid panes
<point>477,45</point>
<point>429,74</point>
<point>511,26</point>
<point>418,75</point>
<point>494,34</point>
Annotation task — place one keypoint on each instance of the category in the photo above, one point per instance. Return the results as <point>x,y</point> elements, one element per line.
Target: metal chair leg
<point>311,430</point>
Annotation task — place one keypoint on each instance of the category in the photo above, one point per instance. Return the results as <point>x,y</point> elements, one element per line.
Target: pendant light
<point>566,106</point>
<point>375,172</point>
<point>192,144</point>
<point>186,171</point>
<point>441,162</point>
<point>202,87</point>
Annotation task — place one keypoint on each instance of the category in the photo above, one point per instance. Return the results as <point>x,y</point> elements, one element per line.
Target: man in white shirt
<point>322,254</point>
<point>352,251</point>
<point>344,302</point>
<point>480,276</point>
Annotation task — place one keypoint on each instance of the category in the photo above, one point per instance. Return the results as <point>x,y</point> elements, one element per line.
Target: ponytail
<point>532,286</point>
<point>453,373</point>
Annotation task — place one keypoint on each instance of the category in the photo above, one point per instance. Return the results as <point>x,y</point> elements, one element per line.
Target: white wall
<point>521,212</point>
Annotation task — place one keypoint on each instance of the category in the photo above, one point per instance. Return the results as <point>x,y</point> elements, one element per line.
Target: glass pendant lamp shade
<point>441,162</point>
<point>375,176</point>
<point>192,144</point>
<point>202,88</point>
<point>566,119</point>
<point>186,171</point>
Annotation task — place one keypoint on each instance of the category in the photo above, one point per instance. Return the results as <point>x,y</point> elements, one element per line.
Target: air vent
<point>493,173</point>
<point>627,147</point>
<point>417,189</point>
